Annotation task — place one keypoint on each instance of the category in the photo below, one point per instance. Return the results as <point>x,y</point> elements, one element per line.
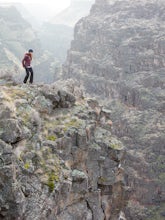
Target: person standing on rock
<point>26,63</point>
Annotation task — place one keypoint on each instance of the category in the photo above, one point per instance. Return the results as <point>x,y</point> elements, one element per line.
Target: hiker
<point>26,63</point>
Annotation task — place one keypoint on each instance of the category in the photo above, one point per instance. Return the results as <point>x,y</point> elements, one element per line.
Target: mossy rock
<point>51,137</point>
<point>27,165</point>
<point>52,178</point>
<point>116,144</point>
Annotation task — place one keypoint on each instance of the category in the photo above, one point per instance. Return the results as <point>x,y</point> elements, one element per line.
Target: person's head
<point>30,51</point>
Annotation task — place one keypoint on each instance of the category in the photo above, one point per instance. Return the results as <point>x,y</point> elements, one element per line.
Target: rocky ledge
<point>58,158</point>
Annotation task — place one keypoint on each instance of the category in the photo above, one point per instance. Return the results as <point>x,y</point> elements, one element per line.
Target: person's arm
<point>23,62</point>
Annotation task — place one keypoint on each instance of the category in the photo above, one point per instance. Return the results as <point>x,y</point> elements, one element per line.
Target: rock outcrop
<point>118,54</point>
<point>58,157</point>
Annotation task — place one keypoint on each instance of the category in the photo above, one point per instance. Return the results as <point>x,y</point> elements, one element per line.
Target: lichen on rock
<point>57,161</point>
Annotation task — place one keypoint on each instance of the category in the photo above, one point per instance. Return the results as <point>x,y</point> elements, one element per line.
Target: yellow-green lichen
<point>27,165</point>
<point>74,122</point>
<point>102,180</point>
<point>51,169</point>
<point>115,144</point>
<point>17,93</point>
<point>52,178</point>
<point>62,122</point>
<point>51,137</point>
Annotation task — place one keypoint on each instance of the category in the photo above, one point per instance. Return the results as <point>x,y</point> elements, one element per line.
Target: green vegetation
<point>52,178</point>
<point>156,213</point>
<point>62,122</point>
<point>51,137</point>
<point>51,169</point>
<point>115,144</point>
<point>71,123</point>
<point>17,93</point>
<point>27,165</point>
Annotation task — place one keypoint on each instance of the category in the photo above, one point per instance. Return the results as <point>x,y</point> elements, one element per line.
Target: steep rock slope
<point>118,54</point>
<point>58,158</point>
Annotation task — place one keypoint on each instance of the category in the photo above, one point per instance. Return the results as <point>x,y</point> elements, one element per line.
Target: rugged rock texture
<point>58,157</point>
<point>118,54</point>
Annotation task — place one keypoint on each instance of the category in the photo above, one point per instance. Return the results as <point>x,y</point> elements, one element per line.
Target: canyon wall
<point>118,54</point>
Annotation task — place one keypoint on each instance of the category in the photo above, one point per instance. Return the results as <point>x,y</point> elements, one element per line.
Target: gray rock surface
<point>58,158</point>
<point>118,54</point>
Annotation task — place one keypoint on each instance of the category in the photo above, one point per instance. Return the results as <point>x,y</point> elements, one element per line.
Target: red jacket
<point>26,62</point>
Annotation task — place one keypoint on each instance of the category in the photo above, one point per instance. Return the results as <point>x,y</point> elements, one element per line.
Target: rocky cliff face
<point>58,157</point>
<point>118,54</point>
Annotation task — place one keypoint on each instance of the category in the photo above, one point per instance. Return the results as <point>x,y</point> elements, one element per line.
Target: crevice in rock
<point>88,206</point>
<point>77,138</point>
<point>18,140</point>
<point>2,163</point>
<point>2,216</point>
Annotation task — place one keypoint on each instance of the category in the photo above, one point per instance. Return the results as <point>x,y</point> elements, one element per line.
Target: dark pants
<point>29,71</point>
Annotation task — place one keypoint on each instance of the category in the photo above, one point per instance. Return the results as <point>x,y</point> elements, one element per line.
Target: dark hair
<point>30,50</point>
